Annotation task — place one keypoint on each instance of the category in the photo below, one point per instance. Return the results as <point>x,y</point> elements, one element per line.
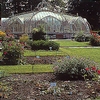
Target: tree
<point>58,3</point>
<point>10,7</point>
<point>89,9</point>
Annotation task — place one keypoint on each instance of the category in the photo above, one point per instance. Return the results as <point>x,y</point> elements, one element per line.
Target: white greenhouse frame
<point>56,24</point>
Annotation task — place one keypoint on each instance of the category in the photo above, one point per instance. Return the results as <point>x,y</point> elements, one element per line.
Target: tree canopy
<point>89,9</point>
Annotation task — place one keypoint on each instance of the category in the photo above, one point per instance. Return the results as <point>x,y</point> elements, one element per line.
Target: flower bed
<point>46,87</point>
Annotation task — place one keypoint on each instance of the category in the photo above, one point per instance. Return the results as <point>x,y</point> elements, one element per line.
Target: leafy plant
<point>95,41</point>
<point>12,53</point>
<point>24,38</point>
<point>81,37</point>
<point>44,45</point>
<point>73,68</point>
<point>9,37</point>
<point>38,33</point>
<point>2,35</point>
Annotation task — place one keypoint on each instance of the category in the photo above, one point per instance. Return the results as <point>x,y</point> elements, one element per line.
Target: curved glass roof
<point>42,14</point>
<point>59,21</point>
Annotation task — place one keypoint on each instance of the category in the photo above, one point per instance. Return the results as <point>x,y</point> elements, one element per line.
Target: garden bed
<point>46,87</point>
<point>42,59</point>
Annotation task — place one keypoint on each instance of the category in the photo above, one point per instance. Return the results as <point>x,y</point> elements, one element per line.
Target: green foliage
<point>81,37</point>
<point>38,33</point>
<point>44,45</point>
<point>24,38</point>
<point>9,37</point>
<point>3,73</point>
<point>73,68</point>
<point>12,53</point>
<point>95,41</point>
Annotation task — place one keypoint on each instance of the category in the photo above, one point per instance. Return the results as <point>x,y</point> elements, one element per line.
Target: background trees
<point>10,7</point>
<point>89,9</point>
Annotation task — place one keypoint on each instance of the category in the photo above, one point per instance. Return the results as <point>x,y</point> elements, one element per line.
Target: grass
<point>39,53</point>
<point>26,69</point>
<point>72,43</point>
<point>91,53</point>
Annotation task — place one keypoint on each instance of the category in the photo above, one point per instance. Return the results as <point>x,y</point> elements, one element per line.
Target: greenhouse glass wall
<point>56,24</point>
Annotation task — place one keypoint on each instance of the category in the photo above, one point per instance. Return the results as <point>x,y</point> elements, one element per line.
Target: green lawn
<point>71,43</point>
<point>91,53</point>
<point>27,68</point>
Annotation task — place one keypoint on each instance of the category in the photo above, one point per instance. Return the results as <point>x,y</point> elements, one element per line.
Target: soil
<point>45,86</point>
<point>42,59</point>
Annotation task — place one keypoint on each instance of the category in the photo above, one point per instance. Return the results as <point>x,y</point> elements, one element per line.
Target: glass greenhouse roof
<point>36,16</point>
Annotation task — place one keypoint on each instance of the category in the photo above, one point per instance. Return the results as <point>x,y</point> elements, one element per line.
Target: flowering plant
<point>12,53</point>
<point>9,37</point>
<point>75,68</point>
<point>2,35</point>
<point>93,71</point>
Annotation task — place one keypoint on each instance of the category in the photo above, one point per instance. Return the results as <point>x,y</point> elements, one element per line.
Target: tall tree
<point>89,9</point>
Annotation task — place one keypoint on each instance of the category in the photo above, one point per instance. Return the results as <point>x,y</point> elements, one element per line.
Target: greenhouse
<point>56,24</point>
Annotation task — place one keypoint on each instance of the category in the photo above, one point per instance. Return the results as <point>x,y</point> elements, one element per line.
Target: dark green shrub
<point>87,38</point>
<point>73,68</point>
<point>38,33</point>
<point>54,45</point>
<point>94,41</point>
<point>44,45</point>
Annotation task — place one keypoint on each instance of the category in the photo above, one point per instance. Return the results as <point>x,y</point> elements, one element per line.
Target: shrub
<point>24,38</point>
<point>12,53</point>
<point>2,35</point>
<point>73,68</point>
<point>94,41</point>
<point>38,33</point>
<point>44,45</point>
<point>9,37</point>
<point>82,37</point>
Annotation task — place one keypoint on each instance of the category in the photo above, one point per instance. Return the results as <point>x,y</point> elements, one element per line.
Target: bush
<point>2,35</point>
<point>95,41</point>
<point>74,68</point>
<point>9,37</point>
<point>12,53</point>
<point>38,33</point>
<point>82,37</point>
<point>44,45</point>
<point>24,38</point>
